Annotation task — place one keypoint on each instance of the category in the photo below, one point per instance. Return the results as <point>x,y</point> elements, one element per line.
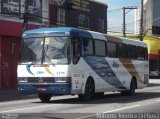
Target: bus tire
<point>45,98</point>
<point>89,90</point>
<point>132,89</point>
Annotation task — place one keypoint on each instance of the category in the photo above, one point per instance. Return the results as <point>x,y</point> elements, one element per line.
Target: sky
<point>115,15</point>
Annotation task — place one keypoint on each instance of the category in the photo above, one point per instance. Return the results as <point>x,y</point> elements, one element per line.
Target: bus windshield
<point>50,50</point>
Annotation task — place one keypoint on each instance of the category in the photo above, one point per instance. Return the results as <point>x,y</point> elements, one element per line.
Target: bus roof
<point>84,33</point>
<point>48,30</point>
<point>102,36</point>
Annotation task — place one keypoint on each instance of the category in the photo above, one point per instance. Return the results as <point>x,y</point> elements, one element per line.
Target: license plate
<point>41,89</point>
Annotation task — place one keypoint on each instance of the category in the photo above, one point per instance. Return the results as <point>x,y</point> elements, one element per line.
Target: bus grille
<point>41,80</point>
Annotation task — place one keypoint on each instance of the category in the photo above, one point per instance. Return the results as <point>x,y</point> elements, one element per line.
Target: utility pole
<point>124,17</point>
<point>124,22</point>
<point>25,16</point>
<point>141,24</point>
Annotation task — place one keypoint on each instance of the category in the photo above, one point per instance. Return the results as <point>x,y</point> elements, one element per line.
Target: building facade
<point>11,27</point>
<point>151,17</point>
<point>85,14</point>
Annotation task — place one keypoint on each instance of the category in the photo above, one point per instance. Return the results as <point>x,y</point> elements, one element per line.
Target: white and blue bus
<point>70,61</point>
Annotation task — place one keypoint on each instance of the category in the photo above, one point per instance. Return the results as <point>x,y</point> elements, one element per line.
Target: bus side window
<point>132,52</point>
<point>100,48</point>
<point>76,49</point>
<point>88,46</point>
<point>122,50</point>
<point>112,49</point>
<point>146,54</point>
<point>140,53</point>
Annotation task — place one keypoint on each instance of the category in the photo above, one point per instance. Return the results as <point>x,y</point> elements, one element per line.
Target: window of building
<point>156,30</point>
<point>112,49</point>
<point>61,15</point>
<point>101,25</point>
<point>10,6</point>
<point>131,52</point>
<point>83,21</point>
<point>88,46</point>
<point>122,50</point>
<point>100,48</point>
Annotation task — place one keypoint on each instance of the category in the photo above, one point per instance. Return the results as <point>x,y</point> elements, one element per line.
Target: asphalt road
<point>145,104</point>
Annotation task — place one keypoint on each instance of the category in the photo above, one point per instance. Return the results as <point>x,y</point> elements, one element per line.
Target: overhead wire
<point>129,25</point>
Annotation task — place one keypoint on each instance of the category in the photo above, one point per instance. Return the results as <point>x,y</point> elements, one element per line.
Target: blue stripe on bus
<point>52,89</point>
<point>102,68</point>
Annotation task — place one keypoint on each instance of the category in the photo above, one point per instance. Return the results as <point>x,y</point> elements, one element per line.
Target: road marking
<point>158,100</point>
<point>14,110</point>
<point>19,101</point>
<point>110,111</point>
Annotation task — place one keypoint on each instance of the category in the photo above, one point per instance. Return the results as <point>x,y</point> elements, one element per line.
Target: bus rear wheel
<point>45,98</point>
<point>132,89</point>
<point>89,90</point>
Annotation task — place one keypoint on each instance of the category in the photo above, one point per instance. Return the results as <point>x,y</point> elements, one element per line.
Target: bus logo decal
<point>48,70</point>
<point>29,69</point>
<point>110,78</point>
<point>115,65</point>
<point>131,69</point>
<point>40,80</point>
<point>40,72</point>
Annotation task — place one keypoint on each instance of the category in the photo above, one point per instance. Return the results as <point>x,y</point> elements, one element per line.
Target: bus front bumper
<point>55,89</point>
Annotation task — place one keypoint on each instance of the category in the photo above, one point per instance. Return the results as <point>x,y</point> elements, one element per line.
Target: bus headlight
<point>63,79</point>
<point>60,80</point>
<point>22,80</point>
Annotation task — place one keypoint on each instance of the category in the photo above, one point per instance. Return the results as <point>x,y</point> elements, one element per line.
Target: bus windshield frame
<point>54,50</point>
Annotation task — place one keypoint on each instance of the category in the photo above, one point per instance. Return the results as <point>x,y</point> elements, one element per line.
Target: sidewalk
<point>13,94</point>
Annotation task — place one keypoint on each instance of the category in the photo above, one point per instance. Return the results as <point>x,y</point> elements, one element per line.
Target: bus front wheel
<point>45,98</point>
<point>89,90</point>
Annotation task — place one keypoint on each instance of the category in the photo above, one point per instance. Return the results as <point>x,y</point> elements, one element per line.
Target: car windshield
<point>50,50</point>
